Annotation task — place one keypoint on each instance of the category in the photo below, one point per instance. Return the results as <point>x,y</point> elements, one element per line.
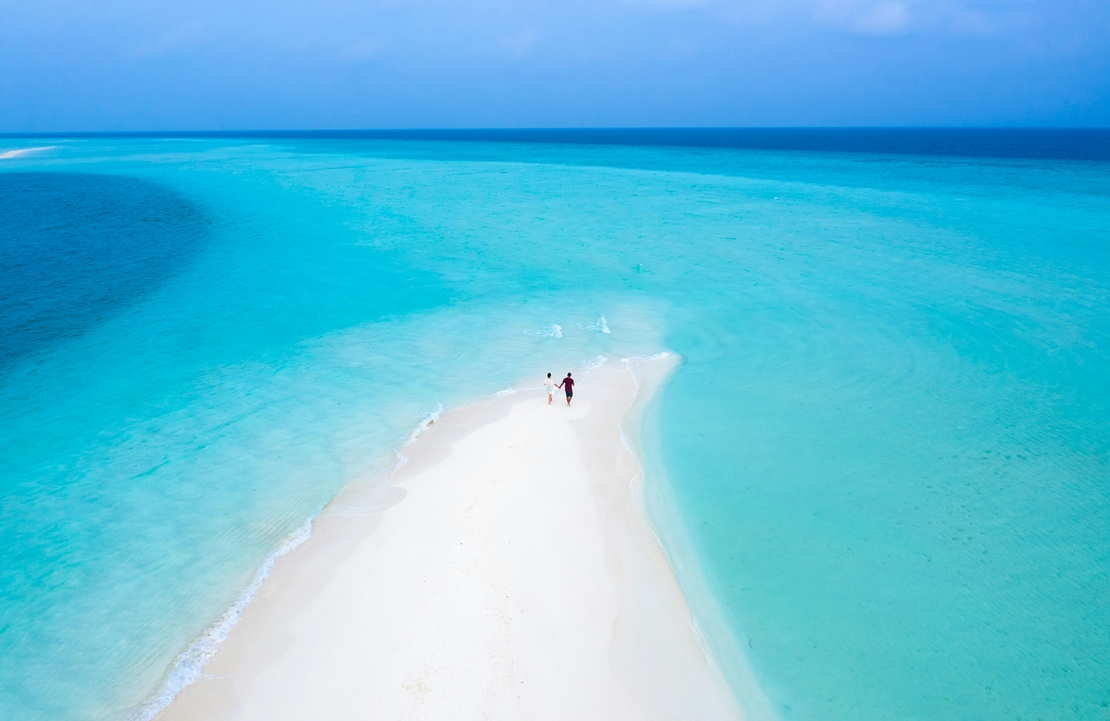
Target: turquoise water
<point>882,467</point>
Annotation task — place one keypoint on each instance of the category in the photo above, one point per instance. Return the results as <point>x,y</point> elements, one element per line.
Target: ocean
<point>882,469</point>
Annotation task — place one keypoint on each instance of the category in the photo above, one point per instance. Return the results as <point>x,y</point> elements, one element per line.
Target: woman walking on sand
<point>549,386</point>
<point>569,383</point>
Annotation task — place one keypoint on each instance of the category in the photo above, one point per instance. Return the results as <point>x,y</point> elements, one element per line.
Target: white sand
<point>513,577</point>
<point>23,151</point>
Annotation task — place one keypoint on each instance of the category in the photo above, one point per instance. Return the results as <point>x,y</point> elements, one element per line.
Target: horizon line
<point>1059,143</point>
<point>536,128</point>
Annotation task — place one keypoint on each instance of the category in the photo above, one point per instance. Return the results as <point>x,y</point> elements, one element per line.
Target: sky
<point>119,65</point>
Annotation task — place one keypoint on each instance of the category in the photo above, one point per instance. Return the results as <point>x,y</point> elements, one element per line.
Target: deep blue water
<point>77,248</point>
<point>1049,143</point>
<point>882,469</point>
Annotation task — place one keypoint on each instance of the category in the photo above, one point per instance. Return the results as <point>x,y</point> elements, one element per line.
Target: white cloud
<point>677,4</point>
<point>886,18</point>
<point>866,17</point>
<point>863,17</point>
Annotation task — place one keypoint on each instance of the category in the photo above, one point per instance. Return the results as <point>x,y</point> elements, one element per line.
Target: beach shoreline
<point>509,571</point>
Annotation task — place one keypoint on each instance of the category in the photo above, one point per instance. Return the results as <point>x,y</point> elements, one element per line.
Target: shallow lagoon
<point>881,469</point>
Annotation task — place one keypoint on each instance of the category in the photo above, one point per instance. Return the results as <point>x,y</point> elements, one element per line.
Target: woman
<point>550,386</point>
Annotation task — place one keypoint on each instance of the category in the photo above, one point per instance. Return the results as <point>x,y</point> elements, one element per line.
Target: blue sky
<point>247,64</point>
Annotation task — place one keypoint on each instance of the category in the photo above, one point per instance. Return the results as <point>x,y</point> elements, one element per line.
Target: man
<point>568,382</point>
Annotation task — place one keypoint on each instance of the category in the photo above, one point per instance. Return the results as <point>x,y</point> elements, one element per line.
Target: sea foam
<point>424,425</point>
<point>552,331</point>
<point>189,666</point>
<point>600,325</point>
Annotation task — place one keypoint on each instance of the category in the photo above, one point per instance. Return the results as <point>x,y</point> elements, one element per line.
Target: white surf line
<point>400,459</point>
<point>631,364</point>
<point>23,151</point>
<point>595,362</point>
<point>188,666</point>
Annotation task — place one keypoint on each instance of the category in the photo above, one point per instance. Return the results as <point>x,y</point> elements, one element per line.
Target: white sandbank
<point>23,151</point>
<point>508,573</point>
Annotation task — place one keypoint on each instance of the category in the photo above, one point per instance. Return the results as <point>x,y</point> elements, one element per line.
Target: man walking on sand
<point>568,382</point>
